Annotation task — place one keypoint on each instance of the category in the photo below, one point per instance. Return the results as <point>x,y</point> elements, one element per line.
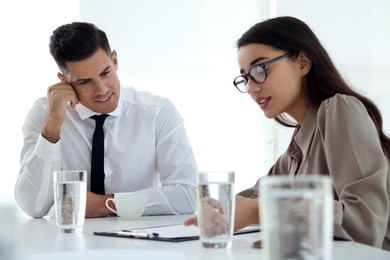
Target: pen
<point>136,234</point>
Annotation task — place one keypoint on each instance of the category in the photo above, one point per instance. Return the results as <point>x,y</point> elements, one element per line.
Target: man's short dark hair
<point>77,41</point>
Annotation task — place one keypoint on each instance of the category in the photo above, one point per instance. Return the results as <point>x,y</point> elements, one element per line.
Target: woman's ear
<point>304,63</point>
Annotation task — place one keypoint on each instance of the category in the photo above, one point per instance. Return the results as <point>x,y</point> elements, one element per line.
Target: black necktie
<point>97,160</point>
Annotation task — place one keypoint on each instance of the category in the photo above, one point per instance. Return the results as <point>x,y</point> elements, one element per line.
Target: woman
<point>288,73</point>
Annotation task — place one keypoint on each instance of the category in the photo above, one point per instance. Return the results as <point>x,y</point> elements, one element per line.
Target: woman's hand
<point>214,221</point>
<point>246,213</point>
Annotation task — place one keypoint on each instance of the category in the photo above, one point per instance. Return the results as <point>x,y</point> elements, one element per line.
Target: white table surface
<point>40,236</point>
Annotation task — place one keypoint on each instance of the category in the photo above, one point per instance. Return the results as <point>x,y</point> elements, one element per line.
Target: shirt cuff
<point>46,150</point>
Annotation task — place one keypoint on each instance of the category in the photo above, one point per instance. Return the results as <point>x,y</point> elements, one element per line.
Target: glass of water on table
<point>216,205</point>
<point>297,217</point>
<point>70,195</point>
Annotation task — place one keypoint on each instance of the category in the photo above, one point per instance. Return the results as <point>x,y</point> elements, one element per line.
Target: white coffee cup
<point>128,206</point>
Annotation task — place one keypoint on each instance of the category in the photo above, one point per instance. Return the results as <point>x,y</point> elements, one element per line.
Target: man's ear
<point>61,76</point>
<point>114,59</point>
<point>304,63</point>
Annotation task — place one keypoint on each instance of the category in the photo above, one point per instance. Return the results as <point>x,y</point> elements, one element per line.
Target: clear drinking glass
<point>296,217</point>
<point>70,194</point>
<point>216,205</point>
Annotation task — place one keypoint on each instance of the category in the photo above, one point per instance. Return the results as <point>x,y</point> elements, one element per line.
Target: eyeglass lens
<point>256,73</point>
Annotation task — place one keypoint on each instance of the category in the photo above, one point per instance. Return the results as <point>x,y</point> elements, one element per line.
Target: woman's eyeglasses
<point>257,73</point>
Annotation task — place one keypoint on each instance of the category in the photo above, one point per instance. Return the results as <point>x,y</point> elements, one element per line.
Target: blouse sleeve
<point>358,169</point>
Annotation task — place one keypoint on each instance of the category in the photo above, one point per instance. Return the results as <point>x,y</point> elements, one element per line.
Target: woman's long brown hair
<point>291,34</point>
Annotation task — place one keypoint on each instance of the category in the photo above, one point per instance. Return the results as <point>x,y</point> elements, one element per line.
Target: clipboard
<point>172,233</point>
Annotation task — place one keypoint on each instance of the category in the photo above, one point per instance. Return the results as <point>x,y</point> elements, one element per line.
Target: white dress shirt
<point>146,152</point>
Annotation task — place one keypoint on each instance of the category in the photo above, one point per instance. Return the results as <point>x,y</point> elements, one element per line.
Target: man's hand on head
<point>57,97</point>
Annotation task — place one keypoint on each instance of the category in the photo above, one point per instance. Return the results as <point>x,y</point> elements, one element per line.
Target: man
<point>146,147</point>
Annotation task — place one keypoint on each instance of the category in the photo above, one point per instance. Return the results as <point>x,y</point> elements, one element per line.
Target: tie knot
<point>99,119</point>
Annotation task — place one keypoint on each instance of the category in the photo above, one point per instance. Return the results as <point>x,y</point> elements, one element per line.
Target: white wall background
<point>185,50</point>
<point>26,70</point>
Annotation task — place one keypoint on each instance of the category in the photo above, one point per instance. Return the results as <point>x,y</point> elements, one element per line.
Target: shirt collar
<point>304,133</point>
<point>85,112</point>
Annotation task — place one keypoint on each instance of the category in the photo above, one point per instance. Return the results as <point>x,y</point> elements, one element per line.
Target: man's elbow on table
<point>28,205</point>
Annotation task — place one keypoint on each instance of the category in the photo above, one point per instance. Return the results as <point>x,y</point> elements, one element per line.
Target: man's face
<point>95,81</point>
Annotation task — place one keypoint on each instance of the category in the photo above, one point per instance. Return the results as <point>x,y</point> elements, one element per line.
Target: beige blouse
<point>340,140</point>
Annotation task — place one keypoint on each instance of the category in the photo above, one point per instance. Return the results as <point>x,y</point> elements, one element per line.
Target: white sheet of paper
<point>174,231</point>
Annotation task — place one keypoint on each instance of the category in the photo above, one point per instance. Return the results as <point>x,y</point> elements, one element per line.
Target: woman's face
<point>283,90</point>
